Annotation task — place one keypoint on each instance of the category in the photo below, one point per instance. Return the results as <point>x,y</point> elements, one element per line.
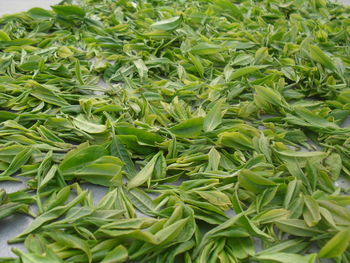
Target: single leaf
<point>47,95</point>
<point>204,48</point>
<point>337,245</point>
<point>79,158</point>
<point>69,11</point>
<point>118,254</point>
<point>243,72</point>
<point>288,258</point>
<point>20,159</point>
<point>319,56</point>
<point>188,128</point>
<point>214,117</point>
<point>168,24</point>
<point>90,127</point>
<point>71,241</point>
<point>311,211</point>
<point>145,174</point>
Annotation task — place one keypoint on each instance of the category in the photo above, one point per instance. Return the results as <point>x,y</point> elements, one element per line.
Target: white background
<point>13,6</point>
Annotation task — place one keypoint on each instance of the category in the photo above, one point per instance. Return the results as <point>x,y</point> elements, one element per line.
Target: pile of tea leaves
<point>216,127</point>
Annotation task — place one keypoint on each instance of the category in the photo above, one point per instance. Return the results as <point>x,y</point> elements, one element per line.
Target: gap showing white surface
<point>15,6</point>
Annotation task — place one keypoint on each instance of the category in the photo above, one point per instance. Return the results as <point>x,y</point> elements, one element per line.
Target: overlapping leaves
<point>217,128</point>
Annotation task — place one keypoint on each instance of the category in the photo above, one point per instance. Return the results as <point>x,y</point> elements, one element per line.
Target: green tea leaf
<point>188,128</point>
<point>213,118</point>
<point>145,174</point>
<point>288,258</point>
<point>17,162</point>
<point>319,56</point>
<point>80,157</point>
<point>168,24</point>
<point>69,10</point>
<point>82,123</point>
<point>118,254</point>
<point>242,72</point>
<point>337,245</point>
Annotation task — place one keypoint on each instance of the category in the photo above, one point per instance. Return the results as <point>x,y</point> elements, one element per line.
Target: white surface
<point>15,6</point>
<point>14,225</point>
